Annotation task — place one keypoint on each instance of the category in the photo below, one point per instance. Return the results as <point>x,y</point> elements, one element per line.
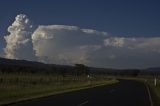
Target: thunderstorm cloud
<point>64,44</point>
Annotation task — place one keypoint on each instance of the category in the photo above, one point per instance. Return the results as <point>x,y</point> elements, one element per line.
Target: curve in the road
<point>124,93</point>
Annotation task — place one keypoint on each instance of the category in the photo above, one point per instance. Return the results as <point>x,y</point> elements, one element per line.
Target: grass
<point>16,87</point>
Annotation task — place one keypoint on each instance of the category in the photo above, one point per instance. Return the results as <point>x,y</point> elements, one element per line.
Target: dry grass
<point>21,86</point>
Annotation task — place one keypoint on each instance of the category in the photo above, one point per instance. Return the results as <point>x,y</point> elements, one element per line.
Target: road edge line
<point>149,94</point>
<point>58,92</point>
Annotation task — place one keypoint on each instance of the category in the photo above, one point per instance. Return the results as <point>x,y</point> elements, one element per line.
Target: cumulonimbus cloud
<point>19,44</point>
<point>64,44</point>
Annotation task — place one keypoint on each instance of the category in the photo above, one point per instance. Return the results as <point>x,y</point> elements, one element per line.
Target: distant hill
<point>154,69</point>
<point>25,65</point>
<point>4,61</point>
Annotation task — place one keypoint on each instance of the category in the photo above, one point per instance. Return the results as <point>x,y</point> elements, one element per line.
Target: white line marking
<point>83,103</point>
<point>149,94</point>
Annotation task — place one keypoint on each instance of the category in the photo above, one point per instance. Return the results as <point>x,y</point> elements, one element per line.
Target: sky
<point>100,33</point>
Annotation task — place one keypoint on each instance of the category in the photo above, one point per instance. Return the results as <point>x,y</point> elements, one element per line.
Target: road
<point>124,93</point>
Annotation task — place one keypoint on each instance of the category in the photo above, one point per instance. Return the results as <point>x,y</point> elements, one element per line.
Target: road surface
<point>124,93</point>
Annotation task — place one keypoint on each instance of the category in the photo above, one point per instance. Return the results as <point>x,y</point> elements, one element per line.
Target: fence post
<point>155,81</point>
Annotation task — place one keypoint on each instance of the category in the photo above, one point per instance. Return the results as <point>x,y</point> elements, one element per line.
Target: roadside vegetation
<point>18,85</point>
<point>155,90</point>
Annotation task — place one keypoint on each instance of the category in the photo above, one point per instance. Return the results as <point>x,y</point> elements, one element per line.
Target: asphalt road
<point>124,93</point>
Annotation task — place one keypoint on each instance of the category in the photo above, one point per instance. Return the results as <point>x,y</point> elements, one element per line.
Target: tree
<point>81,69</point>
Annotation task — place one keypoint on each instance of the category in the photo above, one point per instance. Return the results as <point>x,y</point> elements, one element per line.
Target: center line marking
<point>83,103</point>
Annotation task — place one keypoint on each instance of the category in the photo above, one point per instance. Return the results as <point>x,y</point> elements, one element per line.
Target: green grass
<point>16,87</point>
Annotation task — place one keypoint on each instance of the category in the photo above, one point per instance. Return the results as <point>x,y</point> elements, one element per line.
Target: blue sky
<point>121,18</point>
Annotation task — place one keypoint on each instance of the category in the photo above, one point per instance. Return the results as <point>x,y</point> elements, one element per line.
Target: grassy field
<point>23,86</point>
